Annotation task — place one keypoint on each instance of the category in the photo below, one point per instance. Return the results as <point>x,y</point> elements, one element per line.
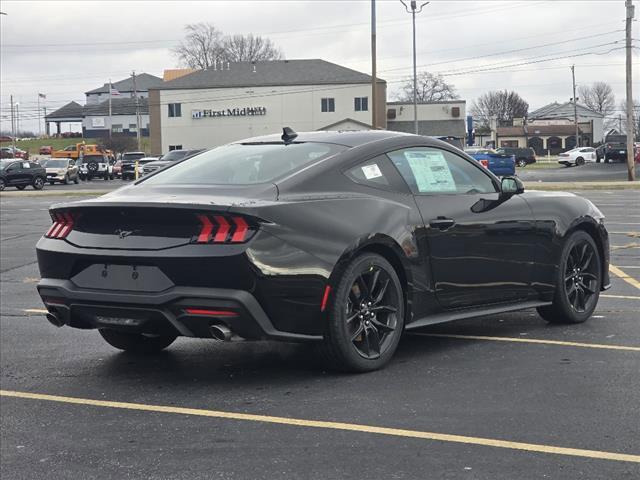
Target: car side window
<point>377,172</point>
<point>429,170</point>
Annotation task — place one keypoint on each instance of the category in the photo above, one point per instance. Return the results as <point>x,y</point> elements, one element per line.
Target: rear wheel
<point>38,183</point>
<point>578,281</point>
<point>2,184</point>
<point>76,180</point>
<point>521,162</point>
<point>579,161</point>
<point>136,342</point>
<point>365,316</point>
<point>66,179</point>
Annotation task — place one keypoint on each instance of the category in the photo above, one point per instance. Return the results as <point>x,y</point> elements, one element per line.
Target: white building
<point>125,88</point>
<point>244,99</point>
<point>436,119</point>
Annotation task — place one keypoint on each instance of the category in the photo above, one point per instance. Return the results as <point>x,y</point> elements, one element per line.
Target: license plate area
<point>132,278</point>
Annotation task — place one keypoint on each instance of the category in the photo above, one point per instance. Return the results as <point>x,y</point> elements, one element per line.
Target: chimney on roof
<point>228,66</point>
<point>254,68</point>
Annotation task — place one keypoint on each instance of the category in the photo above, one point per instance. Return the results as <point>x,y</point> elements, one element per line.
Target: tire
<point>92,167</point>
<point>66,179</point>
<point>136,342</point>
<point>51,183</point>
<point>598,160</point>
<point>580,271</point>
<point>579,161</point>
<point>379,319</point>
<point>2,184</point>
<point>106,177</point>
<point>38,183</point>
<point>21,187</point>
<point>76,180</point>
<point>606,159</point>
<point>521,162</point>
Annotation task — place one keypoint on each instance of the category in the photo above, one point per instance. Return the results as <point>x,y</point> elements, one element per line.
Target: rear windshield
<point>132,156</point>
<point>242,164</point>
<point>56,163</point>
<point>173,155</point>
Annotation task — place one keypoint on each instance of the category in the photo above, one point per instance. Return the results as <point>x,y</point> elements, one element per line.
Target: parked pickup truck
<point>500,164</point>
<point>615,148</point>
<point>77,150</point>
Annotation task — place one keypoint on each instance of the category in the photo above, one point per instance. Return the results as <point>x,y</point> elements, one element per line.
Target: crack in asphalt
<point>19,266</point>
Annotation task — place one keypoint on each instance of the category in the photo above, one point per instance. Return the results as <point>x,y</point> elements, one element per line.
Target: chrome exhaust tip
<point>220,333</point>
<point>54,320</point>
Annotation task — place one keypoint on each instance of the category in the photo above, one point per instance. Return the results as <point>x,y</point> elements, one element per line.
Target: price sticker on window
<point>371,171</point>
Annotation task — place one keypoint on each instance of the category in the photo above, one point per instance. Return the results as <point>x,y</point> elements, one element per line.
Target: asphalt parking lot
<point>604,172</point>
<point>501,397</point>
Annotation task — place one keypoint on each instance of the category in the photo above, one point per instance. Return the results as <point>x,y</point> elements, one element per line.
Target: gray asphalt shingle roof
<point>562,110</point>
<point>119,106</point>
<point>268,73</point>
<point>144,81</point>
<point>70,110</point>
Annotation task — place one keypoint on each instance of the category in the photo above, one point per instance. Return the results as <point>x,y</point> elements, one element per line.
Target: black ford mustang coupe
<point>342,239</point>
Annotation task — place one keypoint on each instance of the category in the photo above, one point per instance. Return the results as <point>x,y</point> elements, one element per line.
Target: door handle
<point>442,223</point>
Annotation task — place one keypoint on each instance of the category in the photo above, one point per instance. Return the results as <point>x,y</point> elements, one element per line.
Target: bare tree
<point>635,116</point>
<point>201,47</point>
<point>431,88</point>
<point>502,104</point>
<point>599,97</point>
<point>249,48</point>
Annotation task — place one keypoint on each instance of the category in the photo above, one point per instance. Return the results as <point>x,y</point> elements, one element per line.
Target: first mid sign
<point>229,112</point>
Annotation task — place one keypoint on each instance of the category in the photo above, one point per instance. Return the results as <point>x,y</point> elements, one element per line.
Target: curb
<point>555,186</point>
<point>61,193</point>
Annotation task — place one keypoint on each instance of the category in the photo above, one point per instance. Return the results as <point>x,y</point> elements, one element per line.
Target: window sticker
<point>371,171</point>
<point>431,171</point>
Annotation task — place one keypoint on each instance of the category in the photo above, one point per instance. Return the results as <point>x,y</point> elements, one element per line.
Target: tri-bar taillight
<point>223,229</point>
<point>62,224</point>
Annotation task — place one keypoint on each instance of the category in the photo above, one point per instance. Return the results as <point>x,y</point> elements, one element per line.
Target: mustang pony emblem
<point>125,233</point>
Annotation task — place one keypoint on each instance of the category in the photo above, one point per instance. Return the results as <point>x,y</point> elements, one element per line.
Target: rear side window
<point>430,170</point>
<point>242,164</point>
<point>369,173</point>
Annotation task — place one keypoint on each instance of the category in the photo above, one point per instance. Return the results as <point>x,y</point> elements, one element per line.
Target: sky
<point>62,49</point>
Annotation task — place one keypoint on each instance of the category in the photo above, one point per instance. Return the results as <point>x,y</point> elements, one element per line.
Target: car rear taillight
<point>223,229</point>
<point>63,223</point>
<point>484,163</point>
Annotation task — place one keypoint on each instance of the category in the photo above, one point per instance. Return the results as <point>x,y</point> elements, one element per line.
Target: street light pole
<point>413,9</point>
<point>631,171</point>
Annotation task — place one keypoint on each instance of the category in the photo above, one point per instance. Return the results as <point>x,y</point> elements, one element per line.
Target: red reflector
<point>53,301</point>
<point>211,313</point>
<point>223,229</point>
<point>241,230</point>
<point>325,298</point>
<point>207,227</point>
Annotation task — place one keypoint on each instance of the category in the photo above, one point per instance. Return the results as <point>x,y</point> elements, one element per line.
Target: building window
<point>133,127</point>
<point>116,128</point>
<point>361,104</point>
<point>328,104</point>
<point>175,147</point>
<point>175,109</point>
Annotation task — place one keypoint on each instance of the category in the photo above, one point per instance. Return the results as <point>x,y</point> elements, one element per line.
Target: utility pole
<point>17,118</point>
<point>110,120</point>
<point>374,93</point>
<point>413,9</point>
<point>575,105</point>
<point>13,125</point>
<point>631,171</point>
<point>135,95</point>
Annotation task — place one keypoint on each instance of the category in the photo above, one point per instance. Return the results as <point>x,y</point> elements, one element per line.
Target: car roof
<point>348,138</point>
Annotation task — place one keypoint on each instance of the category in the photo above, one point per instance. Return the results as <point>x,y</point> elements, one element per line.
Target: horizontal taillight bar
<point>223,229</point>
<point>210,313</point>
<point>63,223</point>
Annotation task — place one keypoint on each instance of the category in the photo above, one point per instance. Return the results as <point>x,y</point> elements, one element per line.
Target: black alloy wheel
<point>366,317</point>
<point>2,184</point>
<point>521,163</point>
<point>578,281</point>
<point>579,161</point>
<point>38,183</point>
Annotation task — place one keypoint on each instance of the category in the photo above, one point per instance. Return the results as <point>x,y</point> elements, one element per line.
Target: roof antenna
<point>288,135</point>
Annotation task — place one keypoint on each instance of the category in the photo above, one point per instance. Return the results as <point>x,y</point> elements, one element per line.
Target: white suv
<point>96,165</point>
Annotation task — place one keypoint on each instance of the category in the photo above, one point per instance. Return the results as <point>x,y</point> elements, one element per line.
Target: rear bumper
<point>163,311</point>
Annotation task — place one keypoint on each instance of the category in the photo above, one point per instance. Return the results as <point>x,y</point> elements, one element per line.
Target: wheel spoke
<point>587,261</point>
<point>372,342</point>
<point>384,308</point>
<point>568,278</point>
<point>357,333</point>
<point>374,281</point>
<point>589,275</point>
<point>382,326</point>
<point>352,317</point>
<point>580,299</point>
<point>583,252</point>
<point>362,286</point>
<point>586,288</point>
<point>381,293</point>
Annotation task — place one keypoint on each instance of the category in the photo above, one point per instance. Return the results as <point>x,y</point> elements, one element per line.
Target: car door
<point>13,173</point>
<point>480,241</point>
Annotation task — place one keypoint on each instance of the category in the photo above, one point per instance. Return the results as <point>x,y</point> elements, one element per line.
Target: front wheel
<point>66,179</point>
<point>365,316</point>
<point>136,342</point>
<point>521,163</point>
<point>578,281</point>
<point>579,161</point>
<point>38,183</point>
<point>2,184</point>
<point>76,180</point>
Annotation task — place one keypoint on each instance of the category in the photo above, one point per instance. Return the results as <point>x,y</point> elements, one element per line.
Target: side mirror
<point>512,186</point>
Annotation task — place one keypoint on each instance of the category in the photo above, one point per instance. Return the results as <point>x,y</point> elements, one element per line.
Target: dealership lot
<point>516,392</point>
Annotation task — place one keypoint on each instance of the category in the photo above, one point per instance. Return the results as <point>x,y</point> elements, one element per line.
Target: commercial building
<point>124,88</point>
<point>435,119</point>
<point>244,99</point>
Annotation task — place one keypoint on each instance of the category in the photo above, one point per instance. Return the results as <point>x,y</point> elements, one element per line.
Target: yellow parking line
<point>532,340</point>
<point>619,273</point>
<point>352,427</point>
<point>626,297</point>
